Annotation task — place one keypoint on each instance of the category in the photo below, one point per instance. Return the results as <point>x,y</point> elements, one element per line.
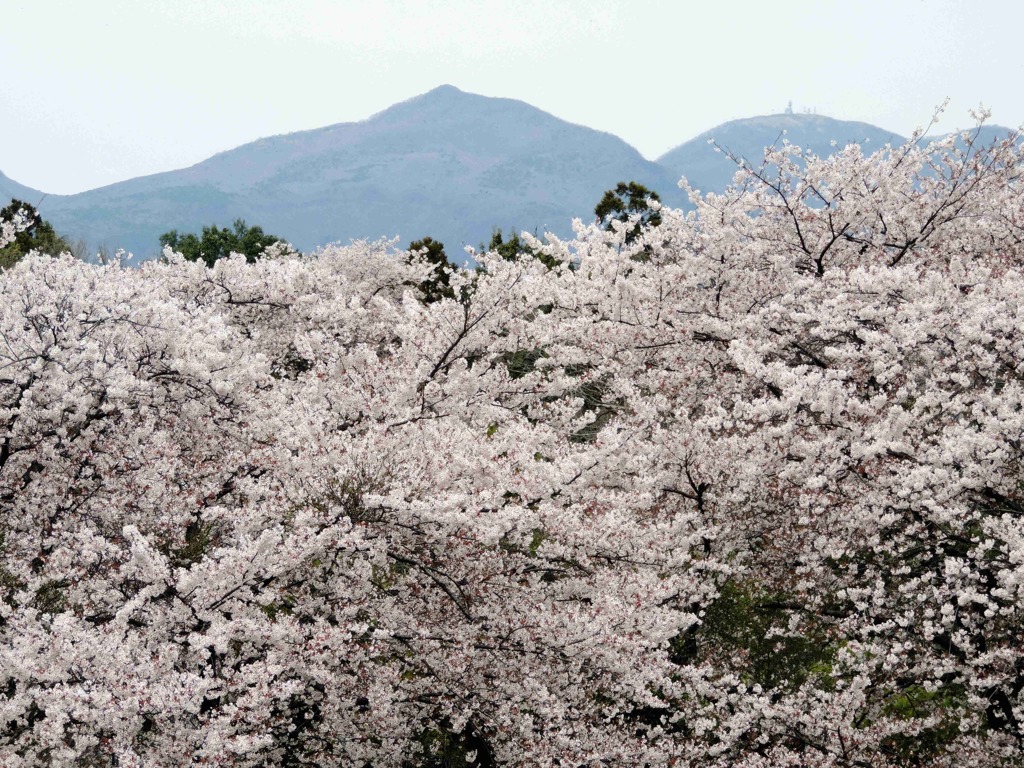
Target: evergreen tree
<point>437,286</point>
<point>219,242</point>
<point>625,200</point>
<point>38,236</point>
<point>511,248</point>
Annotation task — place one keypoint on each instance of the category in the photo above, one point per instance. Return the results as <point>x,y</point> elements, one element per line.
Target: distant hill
<point>12,190</point>
<point>987,135</point>
<point>711,171</point>
<point>448,164</point>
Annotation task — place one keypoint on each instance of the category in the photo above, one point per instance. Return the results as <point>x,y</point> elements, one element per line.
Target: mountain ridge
<point>747,138</point>
<point>445,163</point>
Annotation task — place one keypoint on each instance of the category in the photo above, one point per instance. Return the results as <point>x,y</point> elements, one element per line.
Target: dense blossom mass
<point>743,487</point>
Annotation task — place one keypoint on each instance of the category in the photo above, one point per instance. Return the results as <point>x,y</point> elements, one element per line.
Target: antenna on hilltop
<point>789,107</point>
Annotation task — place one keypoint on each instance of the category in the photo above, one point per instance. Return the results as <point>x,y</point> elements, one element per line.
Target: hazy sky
<point>96,91</point>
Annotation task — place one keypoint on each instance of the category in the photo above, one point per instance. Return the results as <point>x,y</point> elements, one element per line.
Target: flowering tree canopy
<point>745,488</point>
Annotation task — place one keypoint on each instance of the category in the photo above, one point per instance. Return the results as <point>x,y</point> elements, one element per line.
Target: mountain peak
<point>10,190</point>
<point>443,90</point>
<point>446,163</point>
<point>437,100</point>
<point>747,138</point>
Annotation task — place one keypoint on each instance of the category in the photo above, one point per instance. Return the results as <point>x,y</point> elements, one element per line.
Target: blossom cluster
<point>743,489</point>
<point>10,229</point>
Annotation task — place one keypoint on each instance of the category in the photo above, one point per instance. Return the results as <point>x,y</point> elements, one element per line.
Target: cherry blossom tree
<point>9,228</point>
<point>753,498</point>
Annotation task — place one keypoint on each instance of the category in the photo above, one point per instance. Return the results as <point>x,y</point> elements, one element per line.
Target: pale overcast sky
<point>97,91</point>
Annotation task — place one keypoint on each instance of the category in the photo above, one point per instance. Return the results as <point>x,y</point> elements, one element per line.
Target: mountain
<point>984,136</point>
<point>12,190</point>
<point>448,164</point>
<point>711,171</point>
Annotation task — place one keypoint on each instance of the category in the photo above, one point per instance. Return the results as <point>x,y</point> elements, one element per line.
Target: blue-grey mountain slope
<point>12,190</point>
<point>981,137</point>
<point>711,171</point>
<point>447,164</point>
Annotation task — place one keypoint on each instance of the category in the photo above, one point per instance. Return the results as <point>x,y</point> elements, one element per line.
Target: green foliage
<point>539,536</point>
<point>218,243</point>
<point>625,200</point>
<point>513,247</point>
<point>593,391</point>
<point>437,286</point>
<point>9,584</point>
<point>522,361</point>
<point>38,236</point>
<point>51,597</point>
<point>749,626</point>
<point>282,607</point>
<point>947,703</point>
<point>444,749</point>
<point>200,538</point>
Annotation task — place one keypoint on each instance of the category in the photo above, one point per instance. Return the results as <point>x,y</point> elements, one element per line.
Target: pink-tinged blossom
<point>743,491</point>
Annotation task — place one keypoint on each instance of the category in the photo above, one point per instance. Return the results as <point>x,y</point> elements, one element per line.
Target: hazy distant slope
<point>12,190</point>
<point>447,164</point>
<point>982,137</point>
<point>711,171</point>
